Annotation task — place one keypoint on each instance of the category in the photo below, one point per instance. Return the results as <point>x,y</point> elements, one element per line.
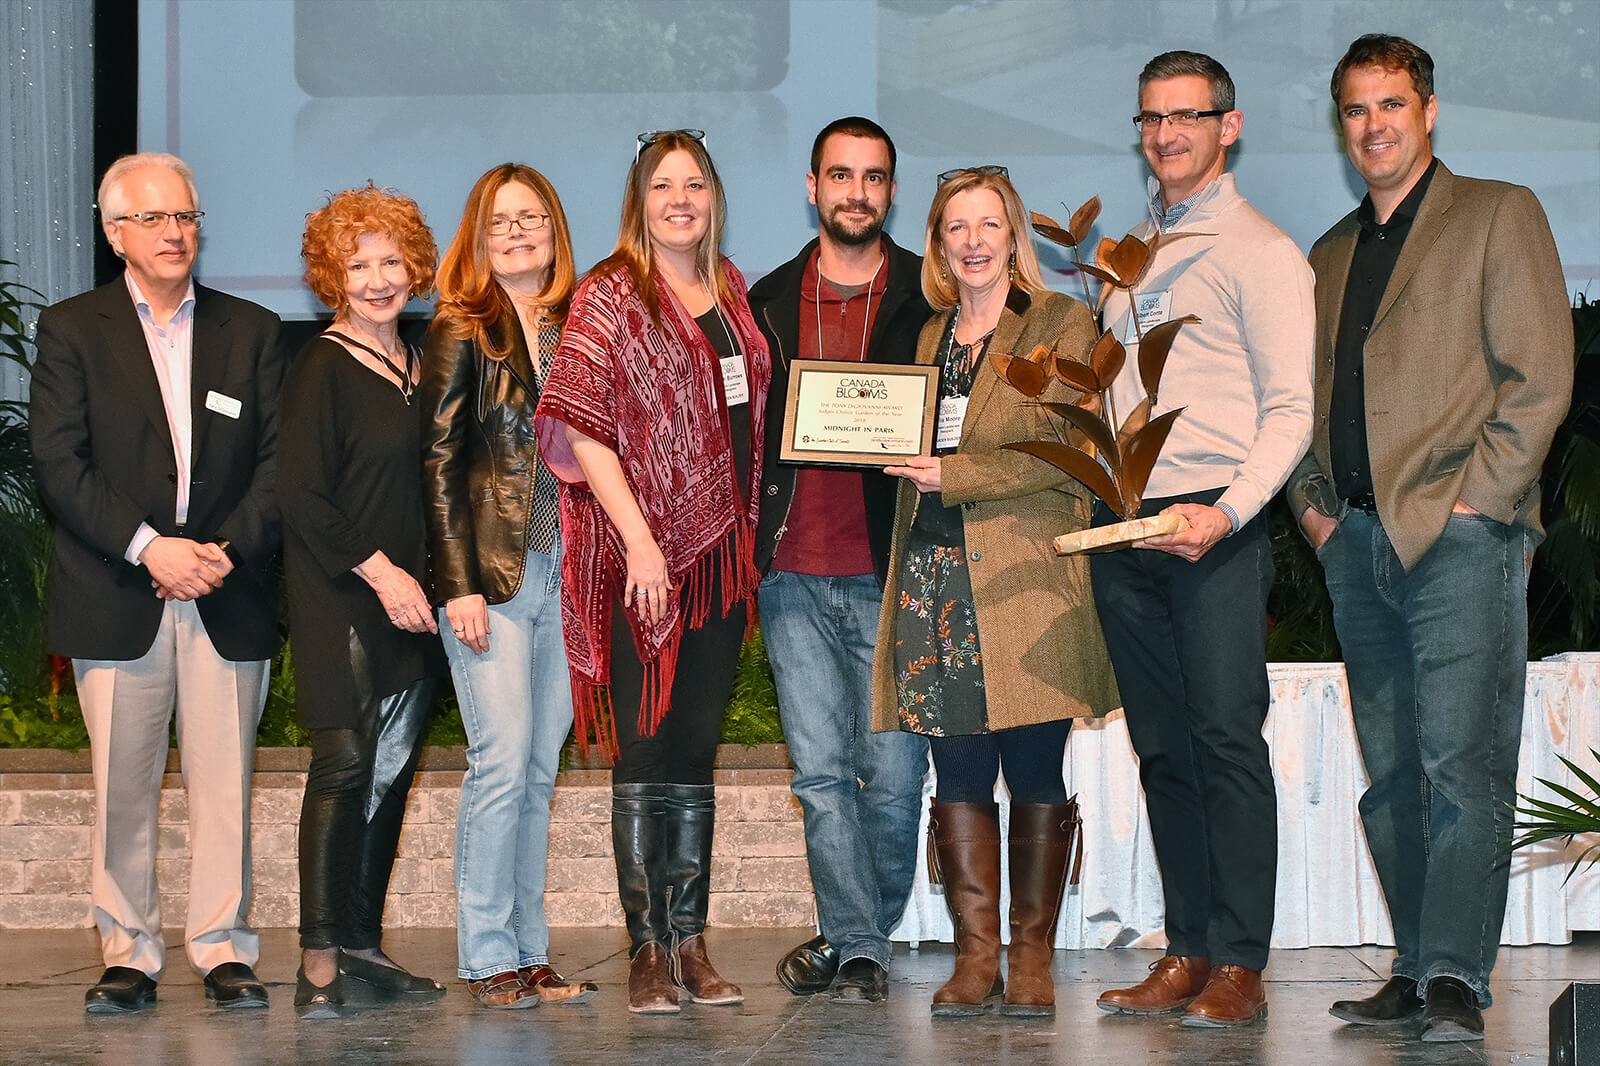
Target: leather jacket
<point>479,458</point>
<point>775,301</point>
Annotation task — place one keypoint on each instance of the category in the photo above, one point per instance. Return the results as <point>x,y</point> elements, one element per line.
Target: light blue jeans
<point>860,791</point>
<point>1437,660</point>
<point>516,704</point>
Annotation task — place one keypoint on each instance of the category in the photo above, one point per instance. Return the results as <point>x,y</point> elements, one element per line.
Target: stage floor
<point>43,976</point>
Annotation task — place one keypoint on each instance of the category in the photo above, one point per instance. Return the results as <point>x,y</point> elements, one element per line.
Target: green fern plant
<point>1551,819</point>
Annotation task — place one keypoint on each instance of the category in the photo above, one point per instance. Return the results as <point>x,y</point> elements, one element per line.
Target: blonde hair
<point>937,285</point>
<point>634,252</point>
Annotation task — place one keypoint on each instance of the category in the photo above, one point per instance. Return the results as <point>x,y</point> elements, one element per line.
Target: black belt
<point>1364,502</point>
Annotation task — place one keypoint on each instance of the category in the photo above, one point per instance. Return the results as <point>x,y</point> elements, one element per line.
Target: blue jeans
<point>516,704</point>
<point>860,791</point>
<point>1437,661</point>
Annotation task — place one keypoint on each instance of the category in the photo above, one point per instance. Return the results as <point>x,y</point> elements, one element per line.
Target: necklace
<point>866,321</point>
<point>733,345</point>
<point>404,375</point>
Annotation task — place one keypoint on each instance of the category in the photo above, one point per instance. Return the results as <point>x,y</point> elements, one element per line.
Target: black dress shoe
<point>1396,1001</point>
<point>233,986</point>
<point>1451,1014</point>
<point>860,981</point>
<point>121,990</point>
<point>390,982</point>
<point>809,968</point>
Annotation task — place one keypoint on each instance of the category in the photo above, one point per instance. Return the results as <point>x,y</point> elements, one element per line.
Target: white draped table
<point>1328,892</point>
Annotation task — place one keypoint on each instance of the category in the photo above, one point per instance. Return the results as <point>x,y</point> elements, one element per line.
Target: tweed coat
<point>1468,363</point>
<point>1044,657</point>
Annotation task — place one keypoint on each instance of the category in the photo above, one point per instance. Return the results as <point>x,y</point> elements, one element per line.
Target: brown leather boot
<point>650,987</point>
<point>1174,982</point>
<point>1233,996</point>
<point>1041,850</point>
<point>689,817</point>
<point>694,974</point>
<point>966,844</point>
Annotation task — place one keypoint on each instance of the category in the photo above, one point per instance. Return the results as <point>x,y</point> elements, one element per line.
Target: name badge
<point>226,406</point>
<point>952,413</point>
<point>735,387</point>
<point>1154,309</point>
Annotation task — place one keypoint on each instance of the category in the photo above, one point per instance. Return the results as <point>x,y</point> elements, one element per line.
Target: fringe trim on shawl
<point>731,562</point>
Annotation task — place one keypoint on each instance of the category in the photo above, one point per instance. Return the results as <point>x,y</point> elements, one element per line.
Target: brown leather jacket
<point>479,457</point>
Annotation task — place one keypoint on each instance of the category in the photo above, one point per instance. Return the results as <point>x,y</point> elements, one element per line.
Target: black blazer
<point>775,302</point>
<point>103,456</point>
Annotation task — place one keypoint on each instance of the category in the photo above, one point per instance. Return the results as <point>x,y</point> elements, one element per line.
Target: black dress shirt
<point>1377,250</point>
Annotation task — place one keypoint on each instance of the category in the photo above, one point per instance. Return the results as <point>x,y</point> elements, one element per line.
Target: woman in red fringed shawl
<point>650,416</point>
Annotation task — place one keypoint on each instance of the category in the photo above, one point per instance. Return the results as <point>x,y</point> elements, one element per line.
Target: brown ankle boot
<point>650,987</point>
<point>966,843</point>
<point>1040,848</point>
<point>694,974</point>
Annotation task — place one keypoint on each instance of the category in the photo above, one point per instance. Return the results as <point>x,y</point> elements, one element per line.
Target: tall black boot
<point>637,820</point>
<point>686,867</point>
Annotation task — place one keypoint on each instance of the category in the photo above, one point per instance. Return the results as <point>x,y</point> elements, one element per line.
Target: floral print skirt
<point>938,666</point>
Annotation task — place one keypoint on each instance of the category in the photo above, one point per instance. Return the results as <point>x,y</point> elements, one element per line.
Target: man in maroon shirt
<point>823,546</point>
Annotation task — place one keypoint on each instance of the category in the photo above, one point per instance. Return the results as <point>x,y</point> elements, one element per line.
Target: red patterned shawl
<point>654,396</point>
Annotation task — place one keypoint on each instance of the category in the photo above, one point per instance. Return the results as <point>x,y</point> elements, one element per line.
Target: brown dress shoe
<point>1233,996</point>
<point>1174,982</point>
<point>650,987</point>
<point>553,988</point>
<point>503,991</point>
<point>693,972</point>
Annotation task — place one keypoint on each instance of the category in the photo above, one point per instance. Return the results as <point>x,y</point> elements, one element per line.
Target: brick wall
<point>759,875</point>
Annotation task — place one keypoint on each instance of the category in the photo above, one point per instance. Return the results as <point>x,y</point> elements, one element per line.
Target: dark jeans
<point>1437,662</point>
<point>1188,643</point>
<point>683,749</point>
<point>350,818</point>
<point>1031,756</point>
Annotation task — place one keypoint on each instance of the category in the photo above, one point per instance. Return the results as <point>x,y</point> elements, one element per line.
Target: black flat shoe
<point>390,981</point>
<point>809,968</point>
<point>318,1002</point>
<point>1397,1001</point>
<point>121,990</point>
<point>1451,1014</point>
<point>860,981</point>
<point>234,986</point>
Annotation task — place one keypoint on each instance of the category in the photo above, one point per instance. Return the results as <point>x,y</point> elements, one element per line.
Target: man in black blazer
<point>154,423</point>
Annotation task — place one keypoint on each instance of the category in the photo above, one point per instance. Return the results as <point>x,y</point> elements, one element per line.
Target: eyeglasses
<point>988,170</point>
<point>650,138</point>
<point>527,221</point>
<point>1150,122</point>
<point>157,220</point>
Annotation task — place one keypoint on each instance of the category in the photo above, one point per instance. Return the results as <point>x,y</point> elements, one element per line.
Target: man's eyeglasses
<point>157,220</point>
<point>654,135</point>
<point>1150,121</point>
<point>989,170</point>
<point>527,221</point>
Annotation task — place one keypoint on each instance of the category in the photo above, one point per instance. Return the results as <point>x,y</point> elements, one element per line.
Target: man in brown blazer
<point>1444,365</point>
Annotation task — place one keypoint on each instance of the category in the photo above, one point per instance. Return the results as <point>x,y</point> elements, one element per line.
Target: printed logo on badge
<point>1154,309</point>
<point>226,406</point>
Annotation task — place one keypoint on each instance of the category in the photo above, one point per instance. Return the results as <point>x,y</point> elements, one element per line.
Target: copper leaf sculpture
<point>1114,464</point>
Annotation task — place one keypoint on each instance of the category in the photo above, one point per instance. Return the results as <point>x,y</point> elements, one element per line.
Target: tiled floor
<point>43,977</point>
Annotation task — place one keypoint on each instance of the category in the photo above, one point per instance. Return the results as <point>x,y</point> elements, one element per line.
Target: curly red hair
<point>333,231</point>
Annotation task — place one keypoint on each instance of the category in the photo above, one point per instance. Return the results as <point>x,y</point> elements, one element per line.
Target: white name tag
<point>1154,309</point>
<point>223,405</point>
<point>735,387</point>
<point>952,413</point>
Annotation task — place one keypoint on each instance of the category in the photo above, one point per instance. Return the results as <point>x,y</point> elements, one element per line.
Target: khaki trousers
<point>128,706</point>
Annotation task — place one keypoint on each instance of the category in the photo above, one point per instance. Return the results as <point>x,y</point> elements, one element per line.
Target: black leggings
<point>350,818</point>
<point>683,749</point>
<point>966,767</point>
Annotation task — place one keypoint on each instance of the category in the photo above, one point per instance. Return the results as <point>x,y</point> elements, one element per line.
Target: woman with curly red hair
<point>367,657</point>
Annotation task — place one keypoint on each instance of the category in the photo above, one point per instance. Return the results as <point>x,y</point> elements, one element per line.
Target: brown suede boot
<point>966,843</point>
<point>1040,848</point>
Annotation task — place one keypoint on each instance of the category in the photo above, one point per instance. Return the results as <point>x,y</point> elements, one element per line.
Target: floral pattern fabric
<point>937,660</point>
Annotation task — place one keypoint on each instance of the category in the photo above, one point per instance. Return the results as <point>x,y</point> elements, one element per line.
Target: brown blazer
<point>1468,364</point>
<point>1044,657</point>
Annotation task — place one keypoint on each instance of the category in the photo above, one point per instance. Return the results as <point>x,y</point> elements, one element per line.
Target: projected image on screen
<point>424,95</point>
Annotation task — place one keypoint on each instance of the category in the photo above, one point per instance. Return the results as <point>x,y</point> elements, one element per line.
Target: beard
<point>852,236</point>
